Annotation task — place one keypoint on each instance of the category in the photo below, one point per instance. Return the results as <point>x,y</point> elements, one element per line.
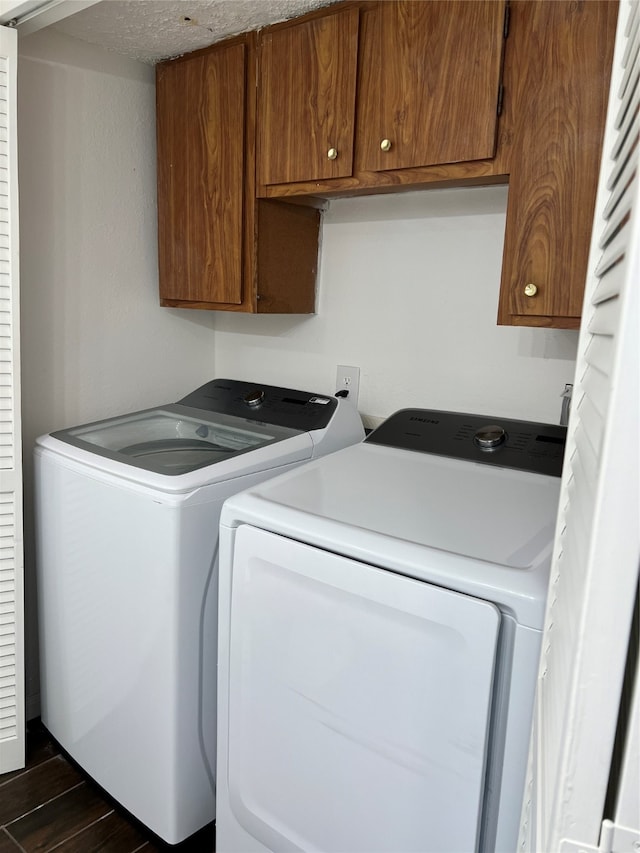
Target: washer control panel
<point>266,404</point>
<point>523,445</point>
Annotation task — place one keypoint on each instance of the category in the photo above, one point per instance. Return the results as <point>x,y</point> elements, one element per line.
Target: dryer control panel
<point>266,404</point>
<point>523,445</point>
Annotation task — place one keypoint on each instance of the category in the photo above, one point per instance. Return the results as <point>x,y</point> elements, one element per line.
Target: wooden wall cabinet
<point>300,112</point>
<point>558,63</point>
<point>218,246</point>
<point>404,83</point>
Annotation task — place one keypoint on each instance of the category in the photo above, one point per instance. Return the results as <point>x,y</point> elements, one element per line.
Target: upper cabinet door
<point>429,82</point>
<point>307,98</point>
<point>201,132</point>
<point>557,136</point>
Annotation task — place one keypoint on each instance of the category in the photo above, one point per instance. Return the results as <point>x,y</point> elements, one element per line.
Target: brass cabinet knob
<point>385,145</point>
<point>530,289</point>
<point>332,153</point>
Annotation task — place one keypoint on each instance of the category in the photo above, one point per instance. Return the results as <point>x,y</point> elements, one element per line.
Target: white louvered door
<point>11,552</point>
<point>594,577</point>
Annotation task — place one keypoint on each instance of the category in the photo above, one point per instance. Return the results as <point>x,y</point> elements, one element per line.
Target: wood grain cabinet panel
<point>200,121</point>
<point>559,62</point>
<point>219,247</point>
<point>428,82</point>
<point>307,86</point>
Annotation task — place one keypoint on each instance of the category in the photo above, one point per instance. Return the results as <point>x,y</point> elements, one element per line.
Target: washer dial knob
<point>254,398</point>
<point>489,437</point>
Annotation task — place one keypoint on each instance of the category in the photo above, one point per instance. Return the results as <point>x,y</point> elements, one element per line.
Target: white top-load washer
<point>380,620</point>
<point>127,534</point>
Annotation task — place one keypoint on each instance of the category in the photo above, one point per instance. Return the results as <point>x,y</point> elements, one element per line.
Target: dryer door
<point>359,703</point>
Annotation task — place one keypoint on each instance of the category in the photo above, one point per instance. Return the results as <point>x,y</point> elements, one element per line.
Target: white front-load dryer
<point>380,620</point>
<point>127,514</point>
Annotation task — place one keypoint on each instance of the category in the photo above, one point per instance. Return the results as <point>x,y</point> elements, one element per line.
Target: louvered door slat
<point>621,186</point>
<point>575,545</point>
<point>591,421</point>
<point>625,121</point>
<point>585,460</point>
<point>624,143</point>
<point>600,353</point>
<point>608,286</point>
<point>605,320</point>
<point>596,389</point>
<point>630,77</point>
<point>632,22</point>
<point>616,218</point>
<point>614,252</point>
<point>632,26</point>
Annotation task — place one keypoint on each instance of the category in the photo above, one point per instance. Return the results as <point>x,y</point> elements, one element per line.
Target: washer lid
<point>173,439</point>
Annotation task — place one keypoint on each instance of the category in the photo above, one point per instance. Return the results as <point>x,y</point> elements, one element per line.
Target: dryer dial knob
<point>490,437</point>
<point>254,398</point>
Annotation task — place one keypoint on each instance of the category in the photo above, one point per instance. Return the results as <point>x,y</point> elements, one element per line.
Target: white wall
<point>95,341</point>
<point>408,292</point>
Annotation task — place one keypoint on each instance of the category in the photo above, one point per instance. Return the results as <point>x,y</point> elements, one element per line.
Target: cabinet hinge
<point>507,19</point>
<point>500,98</point>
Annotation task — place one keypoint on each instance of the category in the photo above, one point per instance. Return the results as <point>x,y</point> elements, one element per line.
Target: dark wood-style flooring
<point>53,805</point>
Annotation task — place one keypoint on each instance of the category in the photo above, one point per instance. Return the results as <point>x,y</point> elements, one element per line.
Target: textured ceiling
<point>150,30</point>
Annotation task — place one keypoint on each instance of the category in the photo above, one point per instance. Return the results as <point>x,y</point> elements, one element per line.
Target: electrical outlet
<point>348,379</point>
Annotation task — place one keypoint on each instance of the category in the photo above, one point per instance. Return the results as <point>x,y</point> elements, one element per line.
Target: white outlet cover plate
<point>348,379</point>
